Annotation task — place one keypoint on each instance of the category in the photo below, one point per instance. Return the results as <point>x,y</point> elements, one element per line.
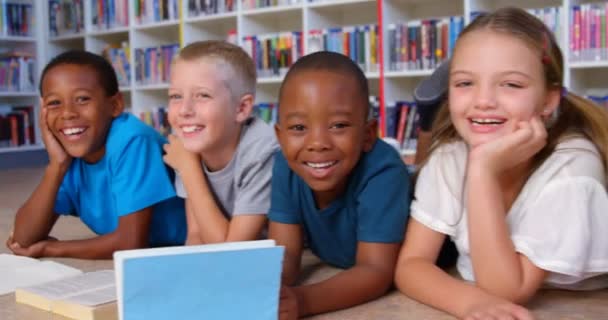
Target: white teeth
<point>321,165</point>
<point>486,121</point>
<point>72,131</point>
<point>190,129</point>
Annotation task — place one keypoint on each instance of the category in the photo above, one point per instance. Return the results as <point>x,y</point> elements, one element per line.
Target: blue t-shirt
<point>130,177</point>
<point>373,208</point>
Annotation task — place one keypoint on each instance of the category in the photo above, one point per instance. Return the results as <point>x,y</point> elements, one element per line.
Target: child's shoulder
<point>258,141</point>
<point>575,157</point>
<point>381,159</point>
<point>125,129</point>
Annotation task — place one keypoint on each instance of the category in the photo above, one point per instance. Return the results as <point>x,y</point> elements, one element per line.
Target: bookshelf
<point>183,22</point>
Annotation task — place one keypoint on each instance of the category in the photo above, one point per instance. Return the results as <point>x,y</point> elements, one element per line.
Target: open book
<point>237,280</point>
<point>19,271</point>
<point>89,296</point>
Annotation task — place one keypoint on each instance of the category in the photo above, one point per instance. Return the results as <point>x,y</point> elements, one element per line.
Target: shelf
<point>67,37</point>
<point>157,25</point>
<point>372,75</point>
<point>589,64</point>
<point>271,80</point>
<point>157,86</point>
<point>335,3</point>
<point>274,9</point>
<point>17,39</point>
<point>106,32</point>
<point>22,148</point>
<point>124,88</point>
<point>408,73</point>
<point>9,94</point>
<point>211,17</point>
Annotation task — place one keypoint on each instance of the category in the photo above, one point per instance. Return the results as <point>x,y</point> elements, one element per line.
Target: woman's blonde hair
<point>575,115</point>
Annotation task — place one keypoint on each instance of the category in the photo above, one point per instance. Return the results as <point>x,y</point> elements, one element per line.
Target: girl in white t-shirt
<point>516,176</point>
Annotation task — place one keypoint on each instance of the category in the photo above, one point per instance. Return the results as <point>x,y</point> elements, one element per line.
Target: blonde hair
<point>575,115</point>
<point>238,68</point>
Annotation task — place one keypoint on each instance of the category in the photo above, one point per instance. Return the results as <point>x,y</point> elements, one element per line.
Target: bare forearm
<point>212,225</point>
<point>425,282</point>
<point>346,289</point>
<point>101,247</point>
<point>35,218</point>
<point>495,262</point>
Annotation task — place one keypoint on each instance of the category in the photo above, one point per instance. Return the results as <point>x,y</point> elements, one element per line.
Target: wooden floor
<point>16,185</point>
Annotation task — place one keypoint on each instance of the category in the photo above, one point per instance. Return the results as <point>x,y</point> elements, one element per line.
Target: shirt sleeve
<point>139,176</point>
<point>383,206</point>
<point>283,208</point>
<point>437,197</point>
<point>564,229</point>
<point>63,201</point>
<point>254,186</point>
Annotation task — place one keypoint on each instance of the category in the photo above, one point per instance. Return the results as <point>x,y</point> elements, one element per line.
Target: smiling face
<point>202,111</point>
<point>79,111</point>
<point>496,81</point>
<point>323,130</point>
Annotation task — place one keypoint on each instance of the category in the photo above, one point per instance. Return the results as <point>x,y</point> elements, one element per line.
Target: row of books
<point>551,16</point>
<point>109,14</point>
<point>273,54</point>
<point>155,10</point>
<point>16,126</point>
<point>17,72</point>
<point>402,123</point>
<point>118,55</point>
<point>207,7</point>
<point>157,119</point>
<point>16,19</point>
<point>589,32</point>
<point>153,65</point>
<point>254,4</point>
<point>267,111</point>
<point>422,44</point>
<point>360,43</point>
<point>65,17</point>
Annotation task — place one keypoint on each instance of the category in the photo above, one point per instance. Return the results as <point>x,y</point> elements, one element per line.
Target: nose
<point>485,97</point>
<point>69,111</point>
<point>318,140</point>
<point>187,107</point>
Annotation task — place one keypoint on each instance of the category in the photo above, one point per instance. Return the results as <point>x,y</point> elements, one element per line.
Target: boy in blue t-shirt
<point>105,167</point>
<point>336,184</point>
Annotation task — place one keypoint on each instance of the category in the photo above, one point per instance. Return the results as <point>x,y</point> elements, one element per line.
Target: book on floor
<point>88,296</point>
<point>17,271</point>
<point>237,280</point>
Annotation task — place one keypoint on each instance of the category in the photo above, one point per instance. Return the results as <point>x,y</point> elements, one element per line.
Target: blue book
<point>238,280</point>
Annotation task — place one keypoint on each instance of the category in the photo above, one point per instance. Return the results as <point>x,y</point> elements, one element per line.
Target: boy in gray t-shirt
<point>222,155</point>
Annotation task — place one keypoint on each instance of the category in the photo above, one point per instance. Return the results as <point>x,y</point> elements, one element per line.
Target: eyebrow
<point>295,114</point>
<point>520,73</point>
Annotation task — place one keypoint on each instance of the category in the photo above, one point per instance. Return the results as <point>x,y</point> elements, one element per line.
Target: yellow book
<point>89,296</point>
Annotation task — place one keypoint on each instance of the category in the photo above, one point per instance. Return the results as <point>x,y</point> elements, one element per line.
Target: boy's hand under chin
<point>57,154</point>
<point>504,153</point>
<point>180,159</point>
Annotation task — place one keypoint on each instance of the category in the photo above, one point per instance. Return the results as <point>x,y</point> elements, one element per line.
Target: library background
<point>396,42</point>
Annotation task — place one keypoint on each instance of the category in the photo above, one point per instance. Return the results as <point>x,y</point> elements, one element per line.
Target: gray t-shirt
<point>243,186</point>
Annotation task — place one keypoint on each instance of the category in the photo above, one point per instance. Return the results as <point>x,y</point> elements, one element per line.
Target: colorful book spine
<point>255,4</point>
<point>422,44</point>
<point>65,17</point>
<point>153,65</point>
<point>157,119</point>
<point>17,125</point>
<point>588,31</point>
<point>109,14</point>
<point>267,111</point>
<point>153,11</point>
<point>198,8</point>
<point>360,43</point>
<point>274,53</point>
<point>118,56</point>
<point>16,19</point>
<point>17,72</point>
<point>402,123</point>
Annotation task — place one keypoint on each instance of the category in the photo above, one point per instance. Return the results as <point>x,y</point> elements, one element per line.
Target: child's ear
<point>552,100</point>
<point>118,104</point>
<point>371,134</point>
<point>244,108</point>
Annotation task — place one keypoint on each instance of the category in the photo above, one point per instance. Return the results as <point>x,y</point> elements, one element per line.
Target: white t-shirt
<point>559,221</point>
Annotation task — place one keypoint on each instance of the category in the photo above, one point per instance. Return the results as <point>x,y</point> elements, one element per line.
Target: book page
<point>96,297</point>
<point>22,272</point>
<point>74,286</point>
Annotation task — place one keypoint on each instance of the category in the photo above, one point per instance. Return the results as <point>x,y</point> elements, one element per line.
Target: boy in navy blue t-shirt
<point>105,167</point>
<point>336,184</point>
